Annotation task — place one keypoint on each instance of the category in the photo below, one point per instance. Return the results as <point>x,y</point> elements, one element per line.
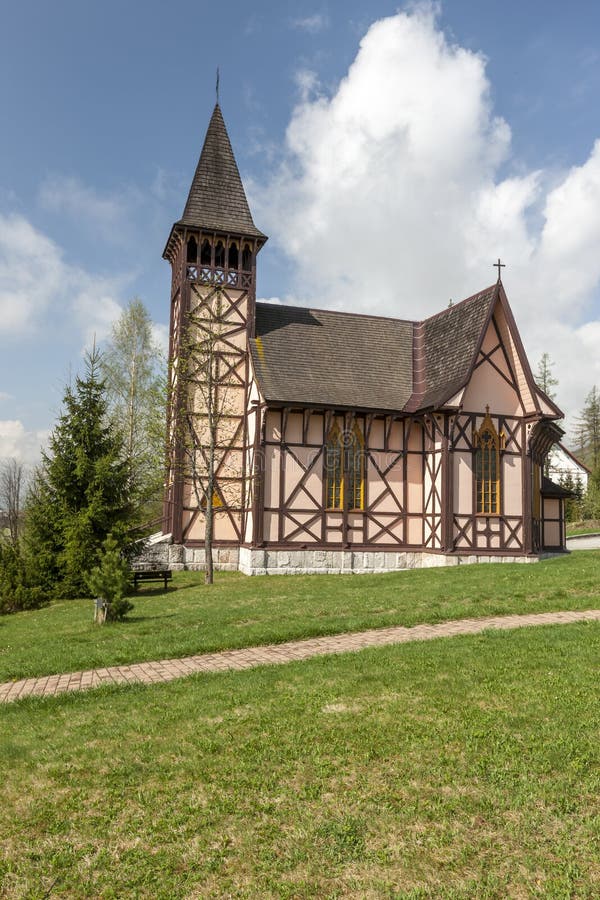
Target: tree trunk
<point>208,531</point>
<point>208,575</point>
<point>11,482</point>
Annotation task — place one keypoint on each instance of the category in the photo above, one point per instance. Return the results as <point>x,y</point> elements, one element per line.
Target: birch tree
<point>134,369</point>
<point>11,488</point>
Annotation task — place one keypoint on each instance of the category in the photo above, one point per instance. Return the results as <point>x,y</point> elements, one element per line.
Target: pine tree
<point>42,539</point>
<point>134,369</point>
<point>588,430</point>
<point>109,581</point>
<point>566,481</point>
<point>544,377</point>
<point>79,493</point>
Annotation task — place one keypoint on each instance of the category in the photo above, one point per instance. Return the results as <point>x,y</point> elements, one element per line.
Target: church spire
<point>217,200</point>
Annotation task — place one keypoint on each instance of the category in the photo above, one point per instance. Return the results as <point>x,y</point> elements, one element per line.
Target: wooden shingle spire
<point>217,200</point>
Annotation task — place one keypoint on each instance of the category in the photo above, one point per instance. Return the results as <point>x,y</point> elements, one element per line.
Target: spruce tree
<point>567,482</point>
<point>588,430</point>
<point>544,377</point>
<point>79,494</point>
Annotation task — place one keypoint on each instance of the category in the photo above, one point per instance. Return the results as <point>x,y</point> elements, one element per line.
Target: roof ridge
<point>338,312</point>
<point>415,322</point>
<point>460,303</point>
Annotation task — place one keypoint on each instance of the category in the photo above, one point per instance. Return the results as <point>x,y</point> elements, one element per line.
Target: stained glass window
<point>488,444</point>
<point>333,469</point>
<point>344,467</point>
<point>353,466</point>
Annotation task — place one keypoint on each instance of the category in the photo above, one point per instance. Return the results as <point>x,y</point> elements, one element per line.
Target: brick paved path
<point>272,654</point>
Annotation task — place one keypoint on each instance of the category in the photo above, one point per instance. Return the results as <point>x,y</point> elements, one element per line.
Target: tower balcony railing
<point>219,275</point>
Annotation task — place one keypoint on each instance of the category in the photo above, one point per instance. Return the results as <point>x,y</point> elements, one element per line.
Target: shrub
<point>110,580</point>
<point>16,591</point>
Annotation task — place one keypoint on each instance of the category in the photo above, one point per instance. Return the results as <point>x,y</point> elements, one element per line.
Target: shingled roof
<point>321,357</point>
<point>450,341</point>
<point>335,359</point>
<point>217,200</point>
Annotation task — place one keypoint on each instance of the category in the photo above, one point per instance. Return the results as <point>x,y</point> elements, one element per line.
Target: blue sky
<point>391,152</point>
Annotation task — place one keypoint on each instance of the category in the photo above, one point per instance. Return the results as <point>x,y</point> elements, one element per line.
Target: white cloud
<point>36,283</point>
<point>307,83</point>
<point>571,236</point>
<point>31,270</point>
<point>107,214</point>
<point>17,442</point>
<point>313,24</point>
<point>160,336</point>
<point>393,197</point>
<point>4,396</point>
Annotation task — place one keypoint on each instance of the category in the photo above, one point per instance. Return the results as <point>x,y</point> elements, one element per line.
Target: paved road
<point>585,542</point>
<point>169,669</point>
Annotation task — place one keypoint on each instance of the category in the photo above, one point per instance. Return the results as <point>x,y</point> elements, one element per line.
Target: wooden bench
<point>139,575</point>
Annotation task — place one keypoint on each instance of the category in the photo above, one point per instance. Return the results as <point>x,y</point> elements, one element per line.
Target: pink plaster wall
<point>463,483</point>
<point>510,345</point>
<point>512,468</point>
<point>488,388</point>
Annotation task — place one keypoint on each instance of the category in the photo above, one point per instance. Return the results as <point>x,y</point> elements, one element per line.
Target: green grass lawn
<point>460,768</point>
<point>583,528</point>
<point>238,611</point>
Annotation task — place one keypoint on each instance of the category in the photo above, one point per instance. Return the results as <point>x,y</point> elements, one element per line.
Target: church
<point>336,442</point>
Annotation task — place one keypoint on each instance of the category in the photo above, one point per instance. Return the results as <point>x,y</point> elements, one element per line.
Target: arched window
<point>233,256</point>
<point>354,469</point>
<point>219,253</point>
<point>333,470</point>
<point>247,258</point>
<point>205,253</point>
<point>192,250</point>
<point>344,469</point>
<point>488,444</point>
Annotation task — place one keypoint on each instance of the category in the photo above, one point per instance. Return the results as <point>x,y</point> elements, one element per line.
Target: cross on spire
<point>499,265</point>
<point>217,84</point>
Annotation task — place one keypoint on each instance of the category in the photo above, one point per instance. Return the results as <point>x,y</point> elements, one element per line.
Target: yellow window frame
<point>488,474</point>
<point>345,469</point>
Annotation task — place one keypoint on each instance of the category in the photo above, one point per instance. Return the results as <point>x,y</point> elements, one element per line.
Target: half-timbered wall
<point>173,477</point>
<point>295,477</point>
<point>222,311</point>
<point>253,466</point>
<point>433,479</point>
<point>494,384</point>
<point>476,532</point>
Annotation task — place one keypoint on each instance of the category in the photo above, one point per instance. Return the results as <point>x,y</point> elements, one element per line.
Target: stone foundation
<point>160,552</point>
<point>225,559</point>
<point>353,562</point>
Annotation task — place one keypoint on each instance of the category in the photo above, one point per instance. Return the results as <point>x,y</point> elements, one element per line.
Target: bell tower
<point>212,251</point>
